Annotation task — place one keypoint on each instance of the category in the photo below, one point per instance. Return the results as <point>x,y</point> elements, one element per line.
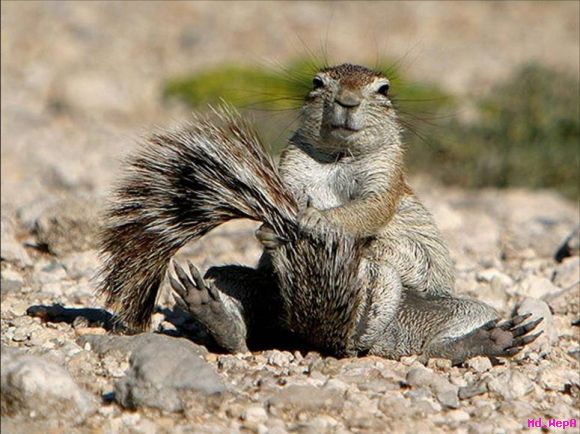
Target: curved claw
<point>196,276</point>
<point>177,287</point>
<point>510,352</point>
<point>524,340</point>
<point>508,324</point>
<point>200,282</point>
<point>490,324</point>
<point>528,327</point>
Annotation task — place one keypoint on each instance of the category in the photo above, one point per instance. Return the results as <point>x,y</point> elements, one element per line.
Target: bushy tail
<point>179,186</point>
<point>321,290</point>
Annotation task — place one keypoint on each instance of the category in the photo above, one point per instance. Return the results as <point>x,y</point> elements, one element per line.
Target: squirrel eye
<point>384,89</point>
<point>317,82</point>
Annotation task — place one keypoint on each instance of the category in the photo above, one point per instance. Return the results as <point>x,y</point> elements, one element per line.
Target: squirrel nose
<point>347,98</point>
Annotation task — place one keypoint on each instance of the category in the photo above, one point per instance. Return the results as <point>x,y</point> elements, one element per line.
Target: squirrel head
<point>348,110</point>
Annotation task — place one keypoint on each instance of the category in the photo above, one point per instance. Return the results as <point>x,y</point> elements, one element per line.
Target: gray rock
<point>458,416</point>
<point>425,407</point>
<point>308,398</point>
<point>11,281</point>
<point>30,212</point>
<point>567,273</point>
<point>21,334</point>
<point>49,273</point>
<point>536,287</point>
<point>279,358</point>
<point>34,385</point>
<point>418,393</point>
<point>254,416</point>
<point>490,275</point>
<point>539,309</point>
<point>378,385</point>
<point>161,371</point>
<point>470,391</point>
<point>510,385</point>
<point>70,225</point>
<point>230,362</point>
<point>10,249</point>
<point>323,423</point>
<point>103,344</point>
<point>445,392</point>
<point>420,377</point>
<point>335,383</point>
<point>564,302</point>
<point>83,264</point>
<point>479,364</point>
<point>493,294</point>
<point>368,377</point>
<point>520,409</point>
<point>558,378</point>
<point>448,398</point>
<point>395,405</point>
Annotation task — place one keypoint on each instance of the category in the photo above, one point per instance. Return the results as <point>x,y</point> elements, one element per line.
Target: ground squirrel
<point>353,263</point>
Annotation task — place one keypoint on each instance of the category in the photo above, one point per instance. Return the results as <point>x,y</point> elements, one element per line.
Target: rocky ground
<point>61,369</point>
<point>80,84</point>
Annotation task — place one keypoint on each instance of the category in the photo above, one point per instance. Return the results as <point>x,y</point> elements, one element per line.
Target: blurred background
<point>488,90</point>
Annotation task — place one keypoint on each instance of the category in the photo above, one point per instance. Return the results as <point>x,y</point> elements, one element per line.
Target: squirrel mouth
<point>343,131</point>
<point>344,128</point>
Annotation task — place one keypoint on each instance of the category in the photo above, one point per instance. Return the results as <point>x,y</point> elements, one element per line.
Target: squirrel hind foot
<point>497,339</point>
<point>492,339</point>
<point>203,301</point>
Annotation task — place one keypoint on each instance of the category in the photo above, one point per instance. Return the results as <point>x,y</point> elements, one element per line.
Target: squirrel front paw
<point>312,220</point>
<point>268,238</point>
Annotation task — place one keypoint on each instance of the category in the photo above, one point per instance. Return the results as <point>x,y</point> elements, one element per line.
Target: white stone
<point>479,364</point>
<point>539,309</point>
<point>510,385</point>
<point>255,415</point>
<point>568,273</point>
<point>536,287</point>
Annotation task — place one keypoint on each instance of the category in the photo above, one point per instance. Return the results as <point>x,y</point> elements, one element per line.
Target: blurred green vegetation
<point>270,89</point>
<point>527,135</point>
<point>243,86</point>
<point>526,132</point>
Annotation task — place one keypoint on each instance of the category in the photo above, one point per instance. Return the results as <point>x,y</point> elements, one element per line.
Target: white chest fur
<point>326,184</point>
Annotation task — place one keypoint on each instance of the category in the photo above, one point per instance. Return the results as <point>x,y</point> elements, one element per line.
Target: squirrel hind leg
<point>219,313</point>
<point>493,339</point>
<point>377,312</point>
